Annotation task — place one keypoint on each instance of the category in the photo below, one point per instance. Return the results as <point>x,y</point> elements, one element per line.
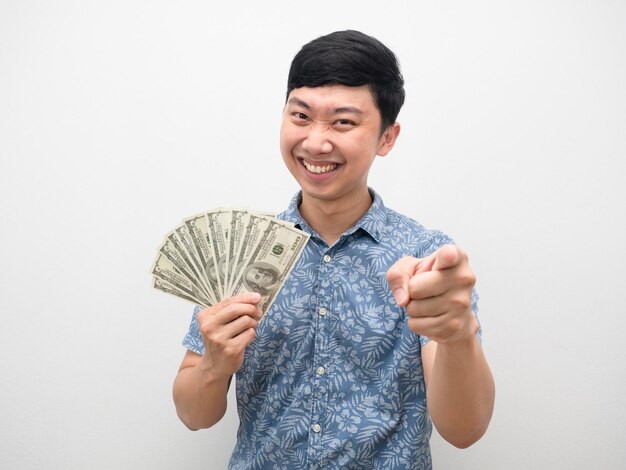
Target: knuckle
<point>413,309</point>
<point>246,322</point>
<point>414,285</point>
<point>467,278</point>
<point>204,314</point>
<point>251,335</point>
<point>206,330</point>
<point>462,302</point>
<point>216,342</point>
<point>394,273</point>
<point>414,325</point>
<point>227,301</point>
<point>224,305</point>
<point>214,336</point>
<point>399,267</point>
<point>455,325</point>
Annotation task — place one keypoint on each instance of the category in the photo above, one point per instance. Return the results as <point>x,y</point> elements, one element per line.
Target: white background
<point>118,118</point>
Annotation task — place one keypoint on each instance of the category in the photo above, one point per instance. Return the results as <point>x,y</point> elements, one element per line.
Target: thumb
<point>398,278</point>
<point>448,256</point>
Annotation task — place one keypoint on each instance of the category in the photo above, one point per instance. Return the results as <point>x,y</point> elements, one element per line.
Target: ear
<point>388,139</point>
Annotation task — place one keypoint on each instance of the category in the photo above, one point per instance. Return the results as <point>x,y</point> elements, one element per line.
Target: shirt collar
<point>372,221</point>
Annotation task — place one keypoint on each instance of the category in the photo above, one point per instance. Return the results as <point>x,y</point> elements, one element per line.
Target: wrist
<point>211,374</point>
<point>466,339</point>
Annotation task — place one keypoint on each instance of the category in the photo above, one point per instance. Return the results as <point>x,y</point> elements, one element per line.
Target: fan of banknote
<point>225,252</point>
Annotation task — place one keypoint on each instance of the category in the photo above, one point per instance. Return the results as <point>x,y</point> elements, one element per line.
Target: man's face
<point>329,138</point>
<point>259,277</point>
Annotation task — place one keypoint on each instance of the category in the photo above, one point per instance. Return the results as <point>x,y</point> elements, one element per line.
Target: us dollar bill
<point>218,223</point>
<point>173,289</point>
<point>173,251</point>
<point>198,231</point>
<point>224,252</point>
<point>164,269</point>
<point>238,222</point>
<point>271,261</point>
<point>245,239</point>
<point>191,250</point>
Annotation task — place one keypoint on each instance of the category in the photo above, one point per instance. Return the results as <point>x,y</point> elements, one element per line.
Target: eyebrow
<point>340,110</point>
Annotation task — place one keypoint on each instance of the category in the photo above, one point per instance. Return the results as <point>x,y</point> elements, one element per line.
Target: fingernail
<point>255,296</point>
<point>399,294</point>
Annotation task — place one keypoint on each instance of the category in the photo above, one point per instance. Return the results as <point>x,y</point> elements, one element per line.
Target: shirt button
<point>323,311</point>
<point>316,428</point>
<point>326,258</point>
<point>320,370</point>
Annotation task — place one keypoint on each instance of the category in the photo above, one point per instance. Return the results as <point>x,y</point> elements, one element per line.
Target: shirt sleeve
<point>193,339</point>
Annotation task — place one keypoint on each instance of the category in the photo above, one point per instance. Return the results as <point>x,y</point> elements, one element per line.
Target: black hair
<point>351,58</point>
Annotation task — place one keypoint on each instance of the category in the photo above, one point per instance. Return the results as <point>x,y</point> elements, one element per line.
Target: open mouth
<point>319,169</point>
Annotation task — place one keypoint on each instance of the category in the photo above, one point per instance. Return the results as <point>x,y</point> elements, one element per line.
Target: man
<point>374,333</point>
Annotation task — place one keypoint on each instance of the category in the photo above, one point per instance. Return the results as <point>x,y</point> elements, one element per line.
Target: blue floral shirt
<point>334,378</point>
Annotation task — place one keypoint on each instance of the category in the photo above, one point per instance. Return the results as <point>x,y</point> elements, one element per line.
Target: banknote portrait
<point>260,277</point>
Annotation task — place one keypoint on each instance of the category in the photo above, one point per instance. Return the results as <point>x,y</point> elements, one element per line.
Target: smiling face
<point>329,138</point>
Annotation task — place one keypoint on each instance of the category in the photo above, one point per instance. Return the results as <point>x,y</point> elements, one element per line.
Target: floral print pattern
<point>334,378</point>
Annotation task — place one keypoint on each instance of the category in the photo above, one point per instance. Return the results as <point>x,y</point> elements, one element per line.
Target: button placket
<point>323,298</point>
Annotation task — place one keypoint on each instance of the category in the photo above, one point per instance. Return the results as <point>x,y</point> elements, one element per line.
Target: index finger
<point>448,256</point>
<point>398,277</point>
<point>231,307</point>
<point>245,298</point>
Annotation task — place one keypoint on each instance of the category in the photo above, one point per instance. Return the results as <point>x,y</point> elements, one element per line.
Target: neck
<point>332,218</point>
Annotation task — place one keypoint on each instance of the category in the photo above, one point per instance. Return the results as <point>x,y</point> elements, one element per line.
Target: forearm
<point>460,392</point>
<point>200,397</point>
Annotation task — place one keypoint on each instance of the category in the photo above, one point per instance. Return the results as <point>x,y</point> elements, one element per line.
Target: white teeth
<point>319,169</point>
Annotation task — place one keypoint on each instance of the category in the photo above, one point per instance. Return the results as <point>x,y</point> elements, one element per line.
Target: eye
<point>298,116</point>
<point>344,124</point>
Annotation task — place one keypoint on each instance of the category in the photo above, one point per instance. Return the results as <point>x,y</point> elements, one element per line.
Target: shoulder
<point>420,240</point>
<point>291,213</point>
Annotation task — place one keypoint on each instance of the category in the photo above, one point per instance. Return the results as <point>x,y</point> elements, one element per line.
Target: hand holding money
<point>227,329</point>
<point>222,253</point>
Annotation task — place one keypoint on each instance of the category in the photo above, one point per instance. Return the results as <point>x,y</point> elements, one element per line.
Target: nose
<point>316,141</point>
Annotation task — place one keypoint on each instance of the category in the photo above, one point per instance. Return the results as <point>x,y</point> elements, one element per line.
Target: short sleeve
<point>475,299</point>
<point>193,339</point>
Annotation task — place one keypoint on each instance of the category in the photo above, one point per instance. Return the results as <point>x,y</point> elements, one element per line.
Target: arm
<point>460,390</point>
<point>202,382</point>
<point>436,293</point>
